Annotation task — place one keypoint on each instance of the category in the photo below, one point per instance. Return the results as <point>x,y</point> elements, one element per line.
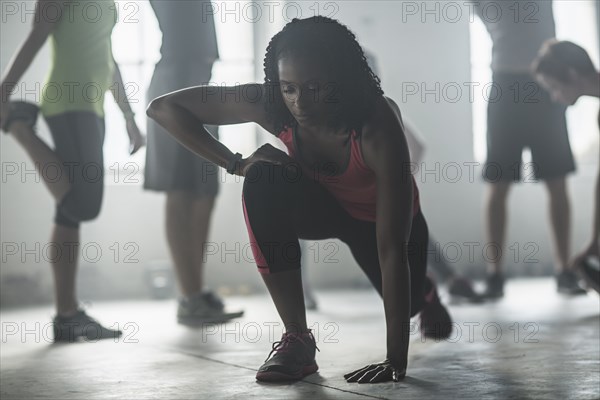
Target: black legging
<point>282,206</point>
<point>78,138</point>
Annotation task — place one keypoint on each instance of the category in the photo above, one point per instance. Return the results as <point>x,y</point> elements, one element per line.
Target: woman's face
<point>307,92</point>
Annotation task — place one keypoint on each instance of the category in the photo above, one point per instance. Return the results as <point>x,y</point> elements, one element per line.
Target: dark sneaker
<point>590,273</point>
<point>21,111</point>
<point>494,286</point>
<point>204,308</point>
<point>567,283</point>
<point>435,319</point>
<point>294,359</point>
<point>81,325</point>
<point>462,287</point>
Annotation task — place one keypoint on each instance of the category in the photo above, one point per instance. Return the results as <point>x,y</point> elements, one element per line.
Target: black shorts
<point>522,115</point>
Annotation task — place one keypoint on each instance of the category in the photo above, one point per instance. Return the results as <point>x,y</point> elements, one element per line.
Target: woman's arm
<point>386,153</point>
<point>119,93</point>
<point>40,30</point>
<point>416,146</point>
<point>136,139</point>
<point>182,114</point>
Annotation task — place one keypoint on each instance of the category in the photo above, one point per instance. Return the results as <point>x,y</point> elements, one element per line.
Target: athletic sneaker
<point>590,272</point>
<point>494,286</point>
<point>81,325</point>
<point>567,283</point>
<point>435,319</point>
<point>204,308</point>
<point>462,287</point>
<point>293,358</point>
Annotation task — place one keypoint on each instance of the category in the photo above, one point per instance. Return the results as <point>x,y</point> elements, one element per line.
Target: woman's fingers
<point>385,375</point>
<point>367,376</point>
<point>376,373</point>
<point>354,375</point>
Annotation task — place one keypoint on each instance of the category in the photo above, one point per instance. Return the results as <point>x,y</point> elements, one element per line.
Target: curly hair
<point>332,43</point>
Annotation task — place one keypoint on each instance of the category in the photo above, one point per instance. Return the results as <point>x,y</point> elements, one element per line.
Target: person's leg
<point>560,219</point>
<point>45,159</point>
<point>78,138</point>
<point>64,258</point>
<point>496,217</point>
<point>179,231</point>
<point>309,295</point>
<point>286,292</point>
<point>202,208</point>
<point>435,320</point>
<point>279,210</point>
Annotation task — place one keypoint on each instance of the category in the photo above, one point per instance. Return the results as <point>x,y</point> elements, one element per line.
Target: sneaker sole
<point>281,377</point>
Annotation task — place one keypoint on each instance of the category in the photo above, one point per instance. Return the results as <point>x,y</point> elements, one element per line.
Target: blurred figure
<point>81,58</point>
<point>521,115</point>
<point>191,183</point>
<point>567,72</point>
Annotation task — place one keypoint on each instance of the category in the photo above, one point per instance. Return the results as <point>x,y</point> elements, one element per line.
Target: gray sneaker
<point>81,325</point>
<point>204,308</point>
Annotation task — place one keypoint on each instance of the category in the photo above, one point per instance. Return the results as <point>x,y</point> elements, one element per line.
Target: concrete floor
<point>548,347</point>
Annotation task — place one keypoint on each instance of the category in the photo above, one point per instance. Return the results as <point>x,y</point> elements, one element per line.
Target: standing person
<point>568,73</point>
<point>82,62</point>
<point>343,178</point>
<point>521,115</point>
<point>188,52</point>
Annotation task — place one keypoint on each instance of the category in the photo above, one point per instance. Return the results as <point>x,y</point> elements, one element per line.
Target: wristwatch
<point>232,164</point>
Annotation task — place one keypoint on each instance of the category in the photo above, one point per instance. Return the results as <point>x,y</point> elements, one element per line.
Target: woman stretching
<point>346,177</point>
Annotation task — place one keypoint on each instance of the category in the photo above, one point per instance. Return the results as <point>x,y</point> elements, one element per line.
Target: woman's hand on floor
<point>375,373</point>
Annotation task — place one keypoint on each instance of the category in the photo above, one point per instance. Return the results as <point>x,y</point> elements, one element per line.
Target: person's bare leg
<point>496,221</point>
<point>285,289</point>
<point>64,257</point>
<point>201,212</point>
<point>55,178</point>
<point>179,237</point>
<point>560,218</point>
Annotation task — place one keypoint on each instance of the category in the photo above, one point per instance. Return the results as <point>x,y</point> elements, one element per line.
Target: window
<point>136,46</point>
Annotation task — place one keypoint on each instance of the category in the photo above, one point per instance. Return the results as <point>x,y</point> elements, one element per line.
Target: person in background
<point>522,115</point>
<point>566,70</point>
<point>191,183</point>
<point>82,60</point>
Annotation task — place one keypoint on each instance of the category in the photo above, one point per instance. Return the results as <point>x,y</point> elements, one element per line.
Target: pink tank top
<point>355,188</point>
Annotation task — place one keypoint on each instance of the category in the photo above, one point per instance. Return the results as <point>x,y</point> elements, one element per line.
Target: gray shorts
<point>169,165</point>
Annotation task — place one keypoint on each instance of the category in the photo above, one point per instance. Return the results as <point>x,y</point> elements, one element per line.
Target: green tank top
<point>82,65</point>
